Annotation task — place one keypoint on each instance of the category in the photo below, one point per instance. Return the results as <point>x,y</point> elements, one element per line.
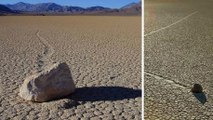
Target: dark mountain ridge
<point>53,8</point>
<point>6,11</point>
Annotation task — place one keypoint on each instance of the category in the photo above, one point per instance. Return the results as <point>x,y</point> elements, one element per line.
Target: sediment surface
<point>178,54</point>
<point>104,56</point>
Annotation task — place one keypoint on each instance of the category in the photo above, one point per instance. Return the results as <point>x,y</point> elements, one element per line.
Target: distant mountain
<point>73,9</point>
<point>53,8</point>
<point>41,7</point>
<point>20,6</point>
<point>4,9</point>
<point>97,8</point>
<point>132,8</point>
<point>129,5</point>
<point>47,7</point>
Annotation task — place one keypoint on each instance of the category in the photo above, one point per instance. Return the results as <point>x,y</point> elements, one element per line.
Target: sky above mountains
<point>81,3</point>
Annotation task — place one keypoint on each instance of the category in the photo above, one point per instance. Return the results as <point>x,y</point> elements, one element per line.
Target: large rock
<point>51,83</point>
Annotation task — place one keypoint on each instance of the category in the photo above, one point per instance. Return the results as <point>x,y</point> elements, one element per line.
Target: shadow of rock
<point>102,93</point>
<point>71,104</point>
<point>201,97</point>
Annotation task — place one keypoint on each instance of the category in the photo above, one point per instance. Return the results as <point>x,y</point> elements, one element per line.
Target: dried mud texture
<point>178,54</point>
<point>103,53</point>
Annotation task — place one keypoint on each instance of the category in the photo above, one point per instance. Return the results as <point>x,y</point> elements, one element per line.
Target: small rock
<point>197,88</point>
<point>112,77</point>
<point>51,83</point>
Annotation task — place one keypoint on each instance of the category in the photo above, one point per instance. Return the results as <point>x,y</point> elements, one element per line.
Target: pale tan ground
<point>176,57</point>
<point>100,51</point>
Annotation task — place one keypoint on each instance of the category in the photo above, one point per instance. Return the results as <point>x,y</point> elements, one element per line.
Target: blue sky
<point>82,3</point>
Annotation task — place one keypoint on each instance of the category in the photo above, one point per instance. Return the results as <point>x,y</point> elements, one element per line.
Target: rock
<point>51,83</point>
<point>197,88</point>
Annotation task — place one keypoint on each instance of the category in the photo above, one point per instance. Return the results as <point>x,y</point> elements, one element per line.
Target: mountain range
<point>5,10</point>
<point>53,8</point>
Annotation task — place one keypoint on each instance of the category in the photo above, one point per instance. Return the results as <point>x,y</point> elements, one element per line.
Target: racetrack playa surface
<point>178,53</point>
<point>104,56</point>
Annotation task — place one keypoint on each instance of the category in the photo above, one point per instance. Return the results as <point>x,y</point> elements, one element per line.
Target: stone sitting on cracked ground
<point>53,82</point>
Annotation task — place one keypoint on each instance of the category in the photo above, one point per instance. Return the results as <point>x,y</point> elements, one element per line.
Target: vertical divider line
<point>142,57</point>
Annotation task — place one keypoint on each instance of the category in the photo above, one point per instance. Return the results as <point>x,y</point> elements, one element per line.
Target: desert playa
<point>178,53</point>
<point>102,52</point>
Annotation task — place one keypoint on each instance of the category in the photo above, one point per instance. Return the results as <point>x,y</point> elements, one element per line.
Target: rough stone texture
<point>51,83</point>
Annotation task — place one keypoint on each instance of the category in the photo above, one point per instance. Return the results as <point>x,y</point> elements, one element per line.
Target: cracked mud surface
<point>177,57</point>
<point>103,53</point>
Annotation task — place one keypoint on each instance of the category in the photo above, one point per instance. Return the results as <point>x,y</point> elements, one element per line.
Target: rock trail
<point>168,26</point>
<point>159,77</point>
<point>45,58</point>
